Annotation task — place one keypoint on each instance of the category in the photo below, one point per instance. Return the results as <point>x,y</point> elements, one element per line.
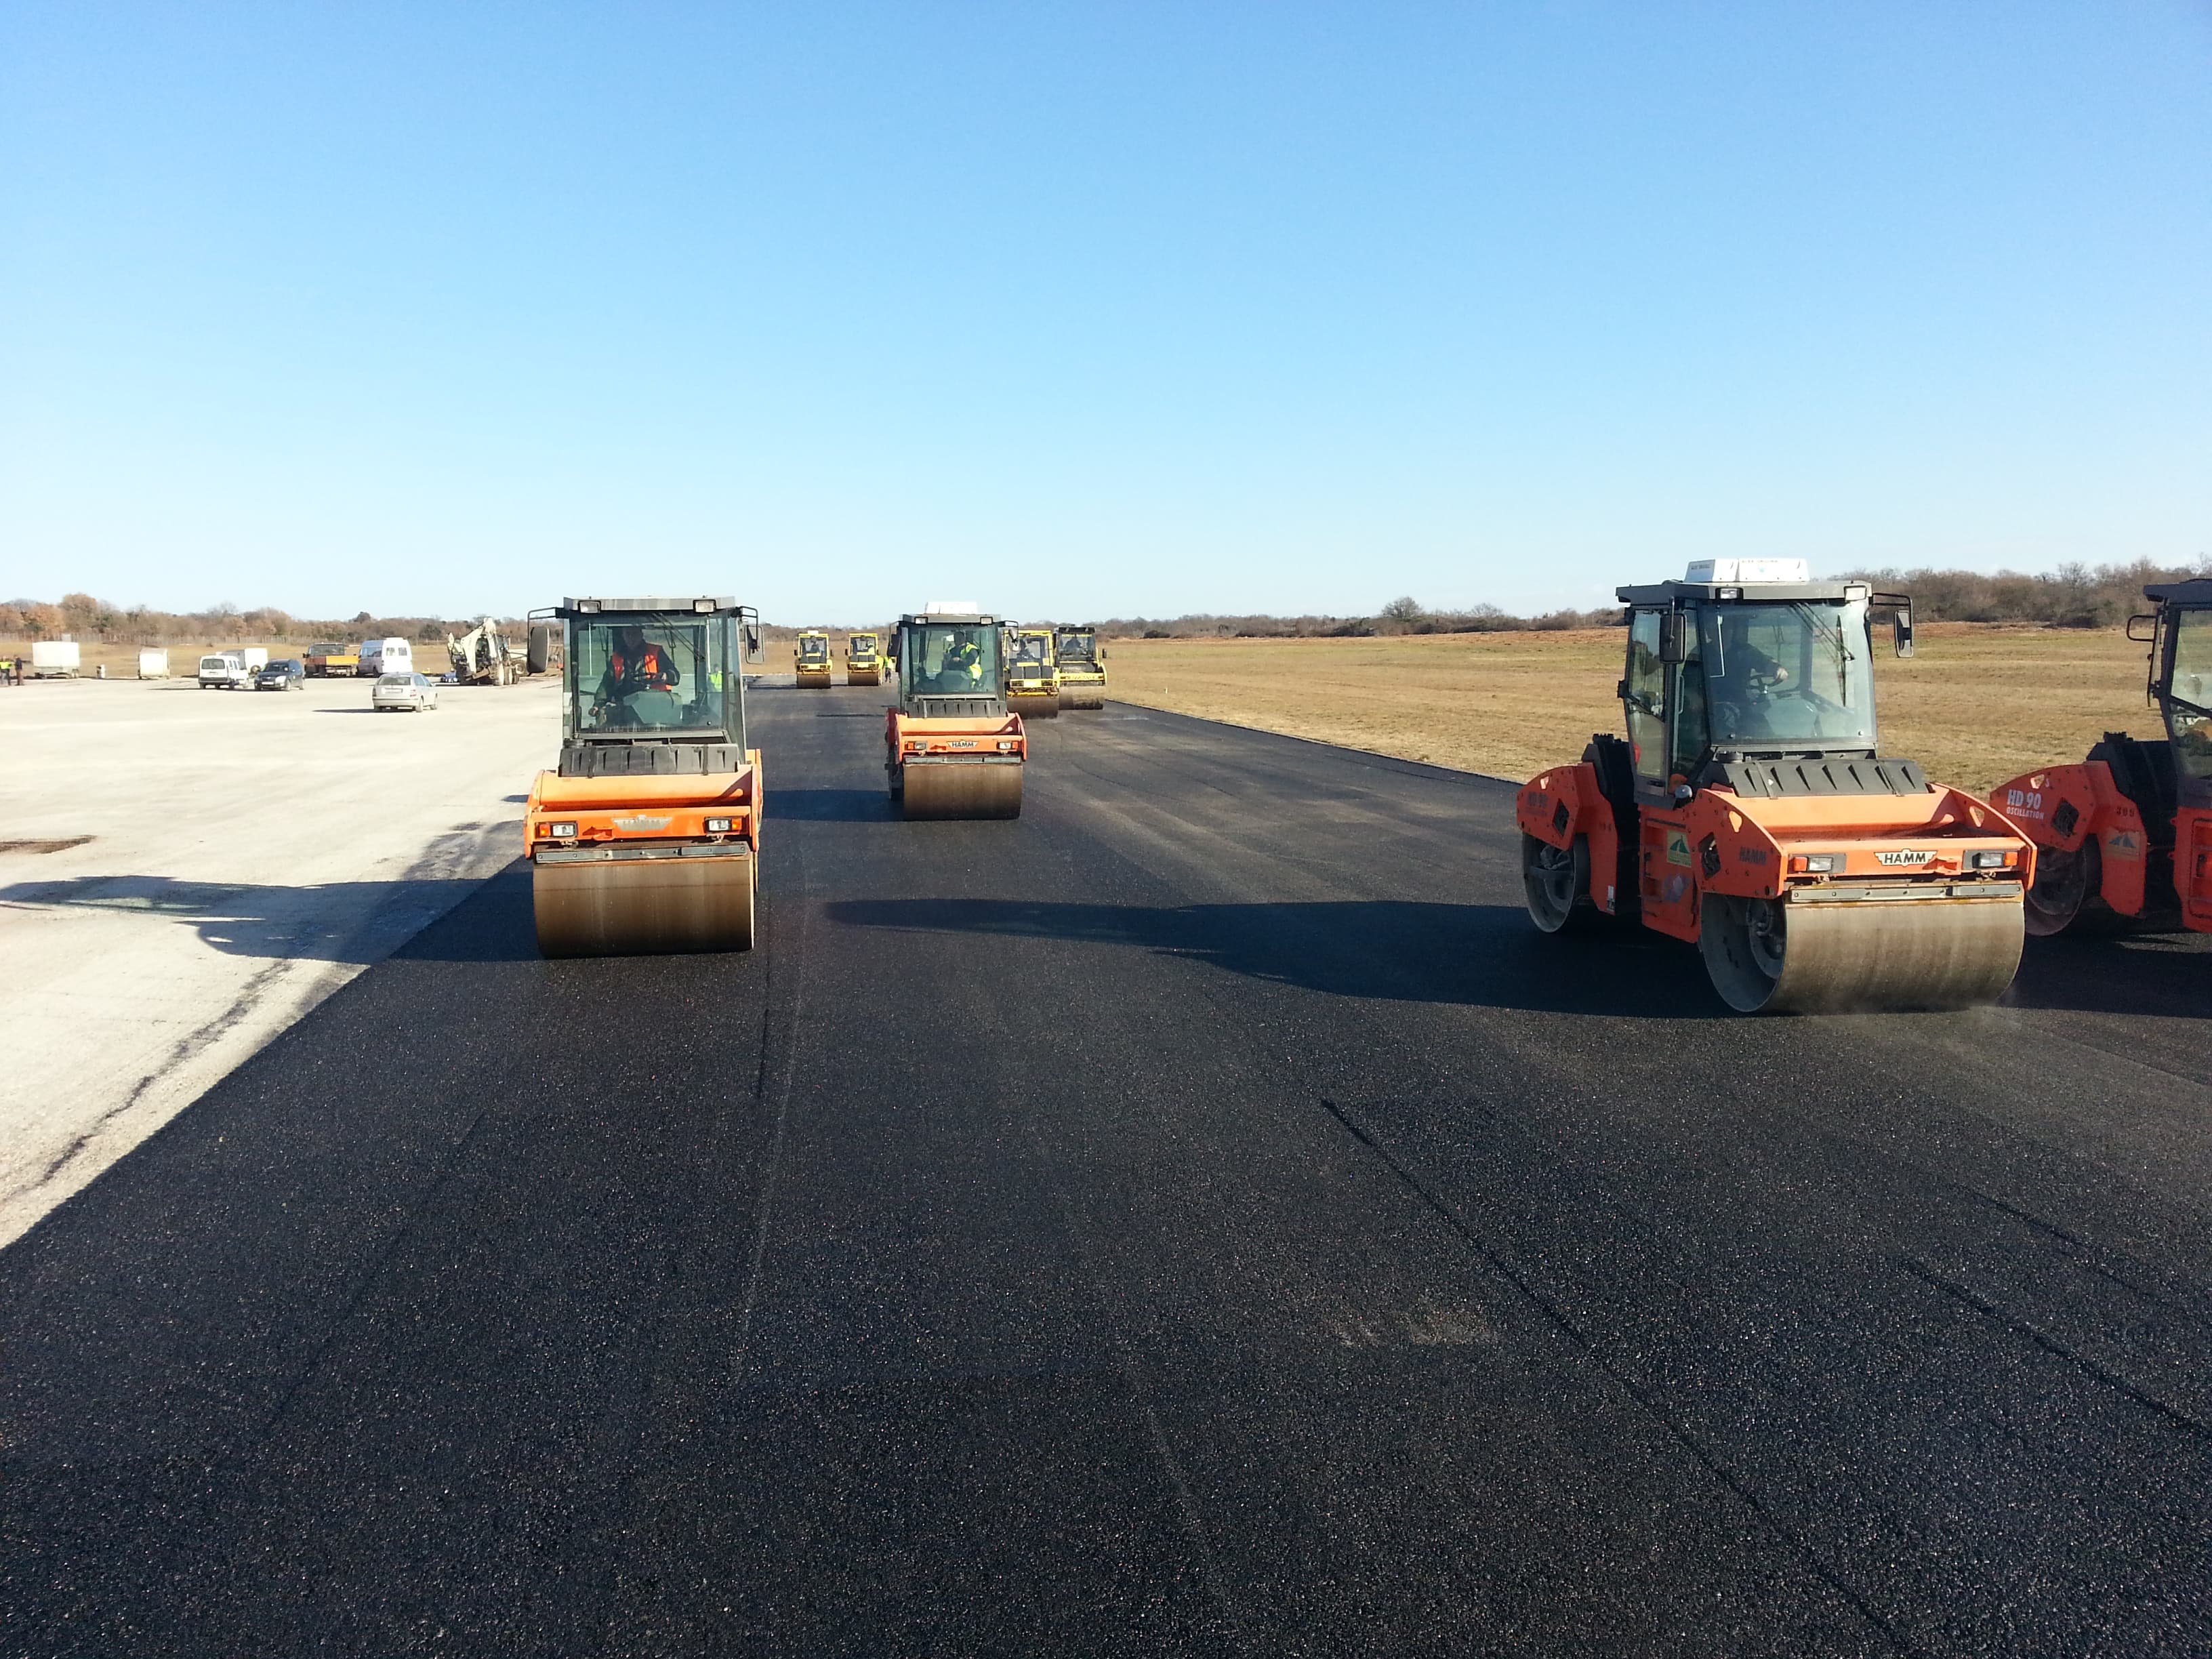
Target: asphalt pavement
<point>1199,1217</point>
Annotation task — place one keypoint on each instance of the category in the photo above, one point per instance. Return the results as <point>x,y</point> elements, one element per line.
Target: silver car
<point>403,691</point>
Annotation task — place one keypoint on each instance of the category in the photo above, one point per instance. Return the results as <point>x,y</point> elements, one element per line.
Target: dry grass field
<point>1975,705</point>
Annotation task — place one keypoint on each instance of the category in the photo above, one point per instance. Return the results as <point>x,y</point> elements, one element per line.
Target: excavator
<point>811,658</point>
<point>1082,667</point>
<point>482,656</point>
<point>952,749</point>
<point>646,836</point>
<point>2126,836</point>
<point>1751,812</point>
<point>1032,675</point>
<point>864,660</point>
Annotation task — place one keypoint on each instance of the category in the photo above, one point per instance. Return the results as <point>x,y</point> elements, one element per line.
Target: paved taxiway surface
<point>1201,1216</point>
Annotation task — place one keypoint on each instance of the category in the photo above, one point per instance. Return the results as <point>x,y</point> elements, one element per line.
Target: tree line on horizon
<point>2074,595</point>
<point>81,616</point>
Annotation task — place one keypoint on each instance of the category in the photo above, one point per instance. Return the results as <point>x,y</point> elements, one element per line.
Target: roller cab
<point>1082,667</point>
<point>1750,812</point>
<point>1032,674</point>
<point>809,660</point>
<point>953,748</point>
<point>645,837</point>
<point>864,660</point>
<point>2124,837</point>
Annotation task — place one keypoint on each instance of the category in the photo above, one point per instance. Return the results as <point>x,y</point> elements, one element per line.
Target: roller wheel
<point>645,907</point>
<point>1766,957</point>
<point>2065,887</point>
<point>1556,880</point>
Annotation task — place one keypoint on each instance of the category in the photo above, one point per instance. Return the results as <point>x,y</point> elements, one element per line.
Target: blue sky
<point>1103,309</point>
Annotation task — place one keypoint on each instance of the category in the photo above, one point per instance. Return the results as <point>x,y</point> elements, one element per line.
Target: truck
<point>55,659</point>
<point>332,661</point>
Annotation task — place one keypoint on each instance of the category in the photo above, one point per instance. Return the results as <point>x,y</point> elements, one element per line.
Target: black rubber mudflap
<point>1616,781</point>
<point>2143,772</point>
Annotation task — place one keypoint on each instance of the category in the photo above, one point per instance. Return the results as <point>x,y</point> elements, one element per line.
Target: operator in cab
<point>635,664</point>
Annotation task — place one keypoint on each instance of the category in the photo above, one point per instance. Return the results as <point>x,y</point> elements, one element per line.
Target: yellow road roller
<point>645,837</point>
<point>952,749</point>
<point>864,660</point>
<point>1082,667</point>
<point>809,658</point>
<point>1032,675</point>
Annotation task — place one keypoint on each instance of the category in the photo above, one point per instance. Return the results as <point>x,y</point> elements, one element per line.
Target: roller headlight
<point>1988,860</point>
<point>564,832</point>
<point>718,826</point>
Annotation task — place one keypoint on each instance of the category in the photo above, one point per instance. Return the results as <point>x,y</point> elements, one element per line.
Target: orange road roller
<point>864,660</point>
<point>809,658</point>
<point>646,836</point>
<point>951,748</point>
<point>2126,836</point>
<point>1751,812</point>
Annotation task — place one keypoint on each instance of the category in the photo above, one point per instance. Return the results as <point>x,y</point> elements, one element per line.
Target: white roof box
<point>1748,570</point>
<point>952,608</point>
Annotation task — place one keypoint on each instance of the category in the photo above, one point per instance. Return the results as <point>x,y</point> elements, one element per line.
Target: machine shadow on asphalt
<point>1475,955</point>
<point>831,806</point>
<point>293,923</point>
<point>2122,973</point>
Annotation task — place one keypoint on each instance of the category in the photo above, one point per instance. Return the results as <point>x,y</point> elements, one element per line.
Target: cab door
<point>1664,882</point>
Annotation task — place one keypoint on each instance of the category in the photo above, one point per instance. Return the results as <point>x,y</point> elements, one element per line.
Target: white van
<point>382,657</point>
<point>225,670</point>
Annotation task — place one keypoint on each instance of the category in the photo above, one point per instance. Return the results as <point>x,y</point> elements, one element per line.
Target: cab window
<point>1645,689</point>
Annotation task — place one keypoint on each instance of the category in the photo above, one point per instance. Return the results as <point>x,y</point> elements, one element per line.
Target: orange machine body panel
<point>2065,807</point>
<point>1558,805</point>
<point>1750,846</point>
<point>991,734</point>
<point>645,811</point>
<point>2192,867</point>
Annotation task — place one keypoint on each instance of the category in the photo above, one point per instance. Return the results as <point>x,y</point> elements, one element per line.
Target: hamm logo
<point>1903,855</point>
<point>640,824</point>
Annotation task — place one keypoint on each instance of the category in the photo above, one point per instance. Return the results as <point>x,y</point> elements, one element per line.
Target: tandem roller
<point>953,748</point>
<point>1751,812</point>
<point>646,838</point>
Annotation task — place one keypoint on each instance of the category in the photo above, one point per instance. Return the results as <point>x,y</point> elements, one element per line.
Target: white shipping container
<point>55,657</point>
<point>153,665</point>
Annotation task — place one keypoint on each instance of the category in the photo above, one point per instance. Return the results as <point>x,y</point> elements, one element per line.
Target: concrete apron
<point>249,855</point>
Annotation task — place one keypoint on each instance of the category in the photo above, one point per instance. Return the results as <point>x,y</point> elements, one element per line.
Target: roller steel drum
<point>1862,955</point>
<point>629,906</point>
<point>963,789</point>
<point>1032,706</point>
<point>1082,697</point>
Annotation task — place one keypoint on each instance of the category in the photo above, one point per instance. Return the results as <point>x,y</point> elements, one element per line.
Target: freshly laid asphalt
<point>1199,1217</point>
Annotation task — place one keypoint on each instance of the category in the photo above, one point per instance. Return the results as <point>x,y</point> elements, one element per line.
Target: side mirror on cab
<point>2149,631</point>
<point>1899,606</point>
<point>1674,636</point>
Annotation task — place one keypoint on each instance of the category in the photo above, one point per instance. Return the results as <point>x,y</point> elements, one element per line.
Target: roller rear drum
<point>969,789</point>
<point>648,906</point>
<point>1859,956</point>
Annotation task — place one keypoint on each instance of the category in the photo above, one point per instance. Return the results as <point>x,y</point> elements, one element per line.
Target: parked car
<point>281,675</point>
<point>412,691</point>
<point>226,669</point>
